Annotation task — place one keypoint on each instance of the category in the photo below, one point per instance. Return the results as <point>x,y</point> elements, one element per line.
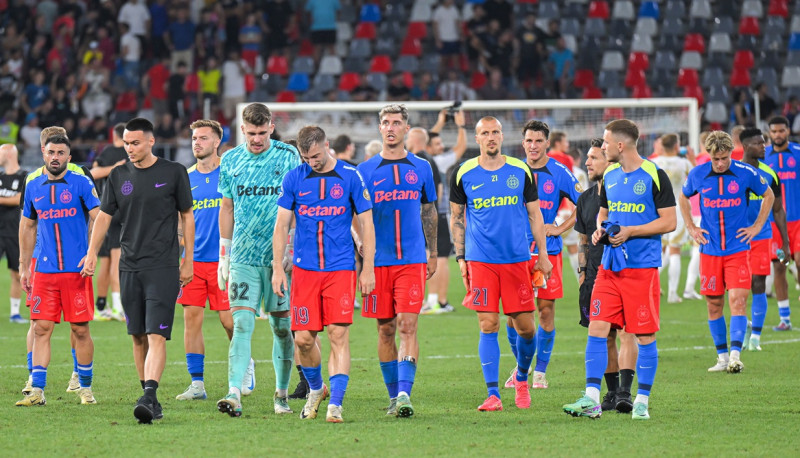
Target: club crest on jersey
<point>639,188</point>
<point>733,187</point>
<point>791,162</point>
<point>411,177</point>
<point>548,187</point>
<point>763,180</point>
<point>65,197</point>
<point>366,194</point>
<point>512,182</point>
<point>127,188</point>
<point>337,191</point>
<point>578,187</point>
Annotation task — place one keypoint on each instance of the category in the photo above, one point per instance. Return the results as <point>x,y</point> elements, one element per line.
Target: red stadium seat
<point>286,97</point>
<point>634,78</point>
<point>277,65</point>
<point>599,9</point>
<point>716,126</point>
<point>592,92</point>
<point>349,81</point>
<point>584,78</point>
<point>694,91</point>
<point>417,30</point>
<point>306,48</point>
<point>477,81</point>
<point>380,64</point>
<point>778,8</point>
<point>613,113</point>
<point>744,59</point>
<point>126,101</point>
<point>688,77</point>
<point>408,79</point>
<point>749,26</point>
<point>192,83</point>
<point>411,47</point>
<point>365,30</point>
<point>740,77</point>
<point>642,91</point>
<point>639,61</point>
<point>694,42</point>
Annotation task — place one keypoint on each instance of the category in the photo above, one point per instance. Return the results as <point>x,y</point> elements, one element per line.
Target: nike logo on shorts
<point>161,326</point>
<point>158,185</point>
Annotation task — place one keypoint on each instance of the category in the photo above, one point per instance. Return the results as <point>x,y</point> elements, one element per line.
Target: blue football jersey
<point>60,208</point>
<point>724,198</point>
<point>399,188</point>
<point>786,165</point>
<point>554,182</point>
<point>755,201</point>
<point>323,206</point>
<point>206,200</point>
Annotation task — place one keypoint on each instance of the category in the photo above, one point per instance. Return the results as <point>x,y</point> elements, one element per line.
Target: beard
<point>56,170</point>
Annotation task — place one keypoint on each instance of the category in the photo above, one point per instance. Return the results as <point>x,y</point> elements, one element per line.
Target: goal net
<point>582,120</point>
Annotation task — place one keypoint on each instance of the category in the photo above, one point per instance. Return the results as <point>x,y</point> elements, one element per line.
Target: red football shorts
<point>793,229</point>
<point>68,292</point>
<point>321,298</point>
<point>555,289</point>
<point>490,283</point>
<point>29,297</point>
<point>718,273</point>
<point>627,299</point>
<point>204,286</point>
<point>761,255</point>
<point>398,289</point>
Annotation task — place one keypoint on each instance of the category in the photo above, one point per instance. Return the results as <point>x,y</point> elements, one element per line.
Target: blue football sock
<point>338,387</point>
<point>406,372</point>
<point>759,312</point>
<point>313,376</point>
<point>85,374</point>
<point>544,347</point>
<point>511,332</point>
<point>282,350</point>
<point>390,375</point>
<point>784,311</point>
<point>30,362</point>
<point>527,347</point>
<point>596,361</point>
<point>646,365</point>
<point>244,321</point>
<point>489,352</point>
<point>39,376</point>
<point>195,363</point>
<point>738,329</point>
<point>719,333</point>
<point>74,361</point>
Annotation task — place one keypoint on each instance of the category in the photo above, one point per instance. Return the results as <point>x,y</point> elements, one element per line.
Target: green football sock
<point>244,321</point>
<point>282,350</point>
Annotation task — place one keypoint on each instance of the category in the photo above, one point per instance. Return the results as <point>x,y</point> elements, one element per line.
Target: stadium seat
<point>795,24</point>
<point>365,30</point>
<point>360,48</point>
<point>592,93</point>
<point>673,26</point>
<point>422,11</point>
<point>725,24</point>
<point>594,27</point>
<point>408,79</point>
<point>642,44</point>
<point>391,29</point>
<point>306,48</point>
<point>792,58</point>
<point>623,9</point>
<point>380,64</point>
<point>324,83</point>
<point>767,76</point>
<point>191,83</point>
<point>701,9</point>
<point>642,91</point>
<point>749,25</point>
<point>664,60</point>
<point>407,64</point>
<point>370,12</point>
<point>778,8</point>
<point>713,76</point>
<point>770,59</point>
<point>277,65</point>
<point>691,59</point>
<point>620,27</point>
<point>747,42</point>
<point>303,64</point>
<point>613,113</point>
<point>286,97</point>
<point>349,81</point>
<point>794,42</point>
<point>660,80</point>
<point>348,13</point>
<point>417,30</point>
<point>772,41</point>
<point>649,9</point>
<point>477,80</point>
<point>672,43</point>
<point>719,42</point>
<point>574,10</point>
<point>330,65</point>
<point>716,112</point>
<point>548,10</point>
<point>646,26</point>
<point>298,82</point>
<point>355,65</point>
<point>694,42</point>
<point>395,12</point>
<point>718,59</point>
<point>570,26</point>
<point>583,78</point>
<point>695,92</point>
<point>775,24</point>
<point>617,92</point>
<point>790,76</point>
<point>688,77</point>
<point>638,61</point>
<point>752,8</point>
<point>599,9</point>
<point>571,42</point>
<point>612,60</point>
<point>740,77</point>
<point>674,9</point>
<point>344,32</point>
<point>718,93</point>
<point>387,45</point>
<point>608,79</point>
<point>743,59</point>
<point>411,47</point>
<point>697,25</point>
<point>377,81</point>
<point>616,43</point>
<point>430,63</point>
<point>275,83</point>
<point>634,78</point>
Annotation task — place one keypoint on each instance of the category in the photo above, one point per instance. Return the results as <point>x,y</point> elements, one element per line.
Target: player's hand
<point>288,253</point>
<point>597,235</point>
<point>366,281</point>
<point>787,258</point>
<point>544,266</point>
<point>224,266</point>
<point>462,266</point>
<point>186,272</point>
<point>581,278</point>
<point>551,230</point>
<point>431,265</point>
<point>89,262</point>
<point>279,282</point>
<point>623,235</point>
<point>746,234</point>
<point>25,279</point>
<point>698,235</point>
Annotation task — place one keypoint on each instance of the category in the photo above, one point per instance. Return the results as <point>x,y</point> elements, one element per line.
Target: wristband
<point>459,258</point>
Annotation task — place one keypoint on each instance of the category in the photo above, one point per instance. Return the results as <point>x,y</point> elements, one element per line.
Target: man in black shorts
<point>620,369</point>
<point>150,194</point>
<point>112,156</point>
<point>12,181</point>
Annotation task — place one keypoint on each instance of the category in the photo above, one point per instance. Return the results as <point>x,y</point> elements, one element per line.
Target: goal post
<point>582,120</point>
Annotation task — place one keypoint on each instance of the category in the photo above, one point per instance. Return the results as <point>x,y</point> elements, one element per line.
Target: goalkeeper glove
<point>224,266</point>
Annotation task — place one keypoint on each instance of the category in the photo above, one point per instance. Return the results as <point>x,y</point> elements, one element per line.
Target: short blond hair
<point>718,141</point>
<point>210,123</point>
<point>51,131</point>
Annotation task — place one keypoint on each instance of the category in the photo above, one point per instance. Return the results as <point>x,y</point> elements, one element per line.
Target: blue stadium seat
<point>649,9</point>
<point>370,12</point>
<point>794,42</point>
<point>298,82</point>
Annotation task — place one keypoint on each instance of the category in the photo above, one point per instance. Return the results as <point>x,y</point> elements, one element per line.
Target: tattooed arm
<point>430,225</point>
<point>583,256</point>
<point>458,230</point>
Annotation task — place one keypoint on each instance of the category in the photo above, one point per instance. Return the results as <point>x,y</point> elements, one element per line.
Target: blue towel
<point>617,256</point>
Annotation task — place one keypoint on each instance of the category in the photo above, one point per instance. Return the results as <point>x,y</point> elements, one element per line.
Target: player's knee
<point>42,328</point>
<point>407,327</point>
<point>304,341</point>
<point>759,285</point>
<point>281,327</point>
<point>80,332</point>
<point>244,321</point>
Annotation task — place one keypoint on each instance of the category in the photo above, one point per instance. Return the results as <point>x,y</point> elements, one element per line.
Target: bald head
<point>9,155</point>
<point>416,140</point>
